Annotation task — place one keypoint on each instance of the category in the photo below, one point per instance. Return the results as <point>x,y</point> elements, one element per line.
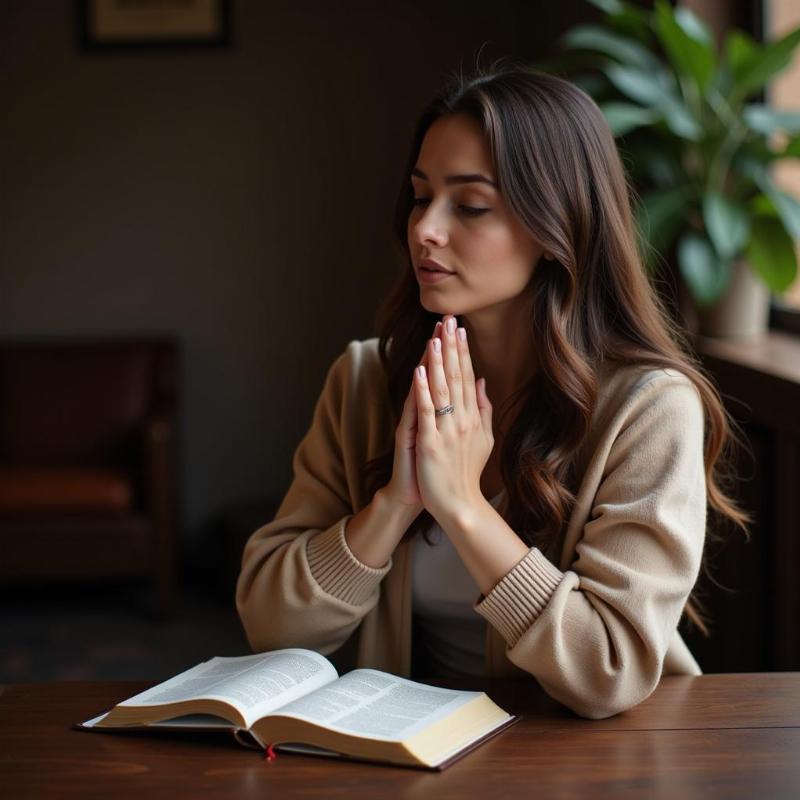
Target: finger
<point>470,399</point>
<point>412,421</point>
<point>484,406</point>
<point>452,367</point>
<point>409,414</point>
<point>426,418</point>
<point>439,390</point>
<point>409,402</point>
<point>406,431</point>
<point>424,358</point>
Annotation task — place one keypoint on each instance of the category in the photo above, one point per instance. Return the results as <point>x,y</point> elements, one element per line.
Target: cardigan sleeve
<point>300,585</point>
<point>595,636</point>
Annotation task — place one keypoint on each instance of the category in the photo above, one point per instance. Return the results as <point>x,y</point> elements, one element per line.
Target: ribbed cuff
<point>520,596</point>
<point>338,571</point>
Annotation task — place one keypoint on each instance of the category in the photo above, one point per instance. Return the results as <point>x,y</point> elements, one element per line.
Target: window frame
<point>782,316</point>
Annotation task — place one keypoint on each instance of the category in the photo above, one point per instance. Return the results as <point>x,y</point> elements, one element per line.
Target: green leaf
<point>650,159</point>
<point>762,206</point>
<point>727,224</point>
<point>788,210</point>
<point>763,119</point>
<point>634,26</point>
<point>737,49</point>
<point>771,253</point>
<point>654,91</point>
<point>688,45</point>
<point>661,215</point>
<point>626,17</point>
<point>787,207</point>
<point>750,165</point>
<point>620,48</point>
<point>759,149</point>
<point>610,6</point>
<point>763,63</point>
<point>740,52</point>
<point>705,274</point>
<point>694,27</point>
<point>792,149</point>
<point>624,117</point>
<point>645,88</point>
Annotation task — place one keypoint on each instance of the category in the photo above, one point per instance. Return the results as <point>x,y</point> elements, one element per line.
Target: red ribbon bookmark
<point>270,754</point>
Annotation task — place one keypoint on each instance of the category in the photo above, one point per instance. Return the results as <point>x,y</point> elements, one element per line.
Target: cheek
<point>505,255</point>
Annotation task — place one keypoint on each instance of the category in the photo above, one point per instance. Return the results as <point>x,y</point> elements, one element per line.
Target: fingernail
<point>450,325</point>
<point>437,345</point>
<point>421,371</point>
<point>462,334</point>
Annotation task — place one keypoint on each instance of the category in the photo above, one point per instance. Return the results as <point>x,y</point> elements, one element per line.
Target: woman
<point>559,538</point>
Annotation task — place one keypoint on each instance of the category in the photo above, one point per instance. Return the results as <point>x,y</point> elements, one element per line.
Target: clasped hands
<point>439,459</point>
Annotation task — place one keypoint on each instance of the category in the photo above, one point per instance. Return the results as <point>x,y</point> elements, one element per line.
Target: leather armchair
<point>88,486</point>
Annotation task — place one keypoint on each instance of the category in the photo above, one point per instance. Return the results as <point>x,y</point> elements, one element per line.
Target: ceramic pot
<point>742,311</point>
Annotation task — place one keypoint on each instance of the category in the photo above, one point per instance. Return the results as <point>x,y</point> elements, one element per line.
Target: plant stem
<point>720,165</point>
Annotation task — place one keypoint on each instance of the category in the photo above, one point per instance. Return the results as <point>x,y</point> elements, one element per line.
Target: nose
<point>428,229</point>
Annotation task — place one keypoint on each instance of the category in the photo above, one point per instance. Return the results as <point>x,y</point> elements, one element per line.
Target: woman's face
<point>461,221</point>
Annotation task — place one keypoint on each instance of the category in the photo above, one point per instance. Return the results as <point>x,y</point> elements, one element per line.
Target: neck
<point>502,351</point>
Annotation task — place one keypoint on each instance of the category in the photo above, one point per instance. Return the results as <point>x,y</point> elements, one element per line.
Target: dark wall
<point>238,198</point>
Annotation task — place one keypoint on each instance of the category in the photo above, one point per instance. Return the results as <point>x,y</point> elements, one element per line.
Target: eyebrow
<point>453,179</point>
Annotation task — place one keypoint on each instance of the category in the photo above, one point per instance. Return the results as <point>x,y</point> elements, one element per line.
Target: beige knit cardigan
<point>594,622</point>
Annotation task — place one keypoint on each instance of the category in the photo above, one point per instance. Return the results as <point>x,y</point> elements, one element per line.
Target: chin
<point>437,306</point>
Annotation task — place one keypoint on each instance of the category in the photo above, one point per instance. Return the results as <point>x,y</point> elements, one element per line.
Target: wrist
<point>466,520</point>
<point>401,513</point>
<point>373,533</point>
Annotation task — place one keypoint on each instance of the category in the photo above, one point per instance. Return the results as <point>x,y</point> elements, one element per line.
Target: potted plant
<point>699,148</point>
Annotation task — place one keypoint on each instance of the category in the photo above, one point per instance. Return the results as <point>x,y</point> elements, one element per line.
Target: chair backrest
<point>82,402</point>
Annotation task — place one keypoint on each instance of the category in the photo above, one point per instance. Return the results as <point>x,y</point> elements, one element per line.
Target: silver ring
<point>440,412</point>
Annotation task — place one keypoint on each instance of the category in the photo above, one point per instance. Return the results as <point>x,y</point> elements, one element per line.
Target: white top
<point>448,630</point>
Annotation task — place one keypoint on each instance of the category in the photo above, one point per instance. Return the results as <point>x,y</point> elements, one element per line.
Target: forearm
<point>302,588</point>
<point>373,533</point>
<point>485,543</point>
<point>586,654</point>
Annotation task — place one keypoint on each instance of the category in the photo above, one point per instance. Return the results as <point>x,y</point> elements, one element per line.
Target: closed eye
<point>470,211</point>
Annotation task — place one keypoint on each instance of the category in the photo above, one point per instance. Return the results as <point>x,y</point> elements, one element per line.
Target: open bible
<point>295,701</point>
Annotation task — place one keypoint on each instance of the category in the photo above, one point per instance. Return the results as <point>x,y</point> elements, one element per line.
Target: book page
<point>253,684</point>
<point>376,705</point>
<point>187,720</point>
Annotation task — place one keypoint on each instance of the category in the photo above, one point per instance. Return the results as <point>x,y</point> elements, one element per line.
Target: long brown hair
<point>557,165</point>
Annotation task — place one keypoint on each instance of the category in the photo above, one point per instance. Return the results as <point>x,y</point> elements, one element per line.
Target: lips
<point>429,265</point>
<point>431,272</point>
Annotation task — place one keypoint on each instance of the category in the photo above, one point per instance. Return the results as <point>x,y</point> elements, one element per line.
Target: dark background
<point>239,199</point>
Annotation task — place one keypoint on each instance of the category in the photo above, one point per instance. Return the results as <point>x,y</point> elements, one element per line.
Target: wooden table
<point>695,737</point>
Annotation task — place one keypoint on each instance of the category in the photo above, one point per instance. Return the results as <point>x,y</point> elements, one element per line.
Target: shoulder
<point>636,385</point>
<point>362,355</point>
<point>356,395</point>
<point>358,364</point>
<point>356,379</point>
<point>638,395</point>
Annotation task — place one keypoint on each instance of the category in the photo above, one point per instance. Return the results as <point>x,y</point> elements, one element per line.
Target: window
<point>780,17</point>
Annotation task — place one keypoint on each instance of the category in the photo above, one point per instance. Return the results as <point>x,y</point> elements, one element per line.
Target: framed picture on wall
<point>133,24</point>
